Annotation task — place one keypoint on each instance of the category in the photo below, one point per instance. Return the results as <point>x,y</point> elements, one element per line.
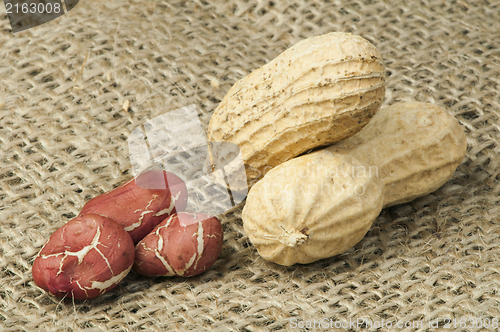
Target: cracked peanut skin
<point>319,91</point>
<point>141,203</point>
<point>185,244</point>
<point>416,147</point>
<point>312,207</point>
<point>83,259</point>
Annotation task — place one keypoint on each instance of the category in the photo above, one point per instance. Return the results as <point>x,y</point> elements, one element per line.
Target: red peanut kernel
<point>185,244</point>
<point>141,203</point>
<point>86,257</point>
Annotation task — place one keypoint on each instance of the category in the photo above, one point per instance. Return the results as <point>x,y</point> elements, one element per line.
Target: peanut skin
<point>141,203</point>
<point>185,244</point>
<point>86,257</point>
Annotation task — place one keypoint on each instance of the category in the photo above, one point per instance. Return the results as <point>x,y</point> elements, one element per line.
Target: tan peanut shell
<point>416,148</point>
<point>319,91</point>
<point>312,207</point>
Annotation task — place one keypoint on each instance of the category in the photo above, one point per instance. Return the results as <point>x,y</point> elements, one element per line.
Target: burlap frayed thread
<point>73,89</point>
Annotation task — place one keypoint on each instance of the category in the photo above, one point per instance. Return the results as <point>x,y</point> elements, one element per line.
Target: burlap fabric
<point>73,89</point>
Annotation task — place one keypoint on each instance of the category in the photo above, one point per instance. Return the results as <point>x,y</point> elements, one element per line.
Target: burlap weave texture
<point>73,89</point>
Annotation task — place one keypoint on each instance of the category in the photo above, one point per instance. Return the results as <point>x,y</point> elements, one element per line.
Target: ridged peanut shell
<point>319,91</point>
<point>311,207</point>
<point>416,148</point>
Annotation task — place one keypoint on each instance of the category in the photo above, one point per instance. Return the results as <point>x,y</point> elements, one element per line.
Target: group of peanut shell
<point>322,158</point>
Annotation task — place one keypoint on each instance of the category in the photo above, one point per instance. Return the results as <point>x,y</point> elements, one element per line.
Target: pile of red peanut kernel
<point>139,225</point>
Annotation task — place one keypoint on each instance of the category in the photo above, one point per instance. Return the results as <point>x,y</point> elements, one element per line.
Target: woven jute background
<point>73,89</point>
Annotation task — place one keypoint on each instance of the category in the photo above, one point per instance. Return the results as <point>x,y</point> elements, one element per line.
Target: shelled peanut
<point>84,258</point>
<point>321,204</point>
<point>185,244</point>
<point>141,203</point>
